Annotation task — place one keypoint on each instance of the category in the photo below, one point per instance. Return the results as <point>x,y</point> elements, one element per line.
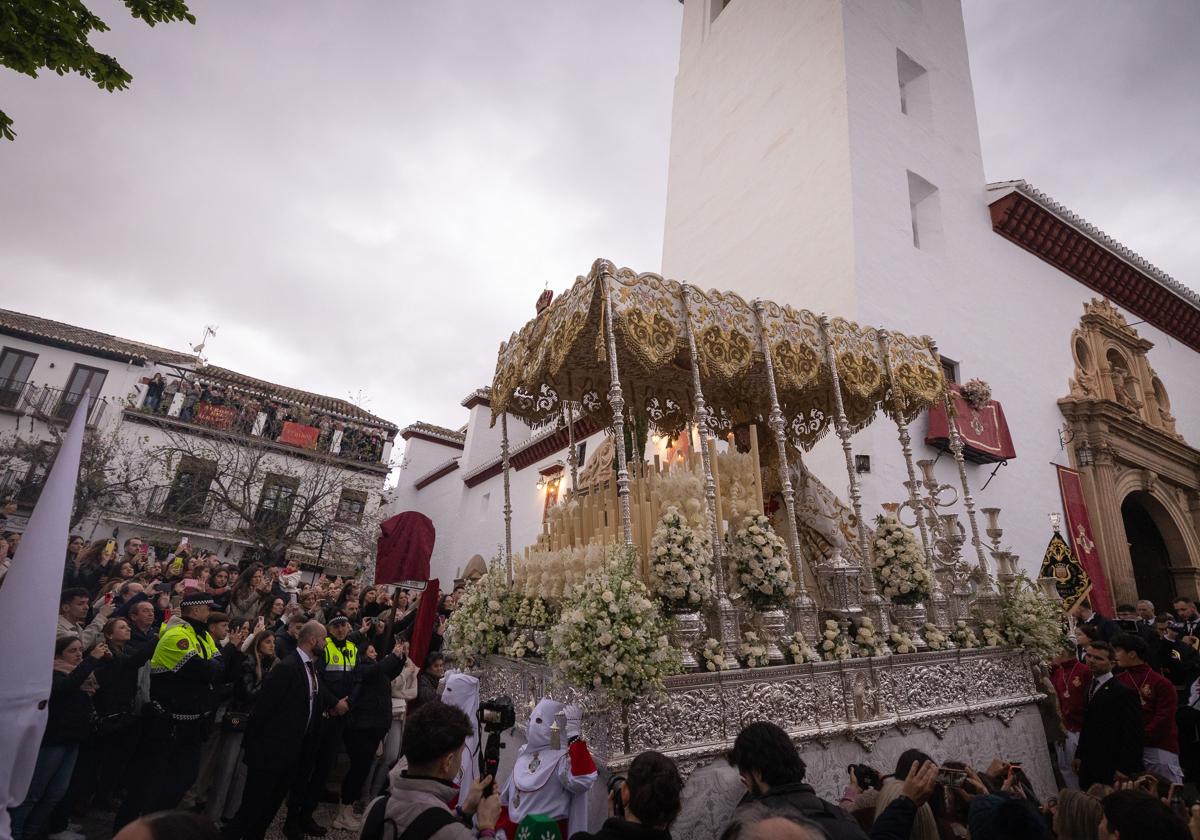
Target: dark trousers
<point>165,766</point>
<point>266,787</point>
<point>360,746</point>
<point>307,789</point>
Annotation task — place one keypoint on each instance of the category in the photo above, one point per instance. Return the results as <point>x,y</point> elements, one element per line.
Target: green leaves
<point>53,35</point>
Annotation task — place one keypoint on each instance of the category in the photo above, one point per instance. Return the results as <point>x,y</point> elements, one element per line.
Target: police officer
<point>339,679</point>
<point>183,670</point>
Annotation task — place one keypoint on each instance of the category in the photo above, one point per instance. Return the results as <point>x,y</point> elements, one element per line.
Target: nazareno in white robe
<point>552,782</point>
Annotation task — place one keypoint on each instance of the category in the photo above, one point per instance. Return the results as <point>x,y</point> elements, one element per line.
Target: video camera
<point>494,716</point>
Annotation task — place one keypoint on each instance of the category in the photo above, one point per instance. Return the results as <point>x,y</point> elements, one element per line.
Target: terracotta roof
<point>270,390</point>
<point>437,434</point>
<point>88,341</point>
<point>1042,226</point>
<point>477,397</point>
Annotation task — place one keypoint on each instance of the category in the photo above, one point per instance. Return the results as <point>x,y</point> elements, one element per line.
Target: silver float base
<point>971,706</point>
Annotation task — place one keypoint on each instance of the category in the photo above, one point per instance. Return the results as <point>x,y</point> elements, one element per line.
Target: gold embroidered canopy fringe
<point>561,357</point>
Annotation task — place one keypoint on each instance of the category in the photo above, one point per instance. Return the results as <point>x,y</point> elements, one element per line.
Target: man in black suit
<point>1111,738</point>
<point>280,739</point>
<point>1084,614</point>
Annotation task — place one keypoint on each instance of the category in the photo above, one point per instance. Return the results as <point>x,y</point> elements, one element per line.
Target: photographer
<point>418,805</point>
<point>644,804</point>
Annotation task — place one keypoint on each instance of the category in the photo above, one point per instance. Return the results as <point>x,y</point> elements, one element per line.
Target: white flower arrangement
<point>480,625</point>
<point>834,644</point>
<point>797,649</point>
<point>1032,621</point>
<point>964,636</point>
<point>901,642</point>
<point>936,639</point>
<point>680,564</point>
<point>898,562</point>
<point>611,636</point>
<point>977,393</point>
<point>761,571</point>
<point>992,636</point>
<point>712,656</point>
<point>866,643</point>
<point>752,652</point>
<point>520,645</point>
<point>532,612</point>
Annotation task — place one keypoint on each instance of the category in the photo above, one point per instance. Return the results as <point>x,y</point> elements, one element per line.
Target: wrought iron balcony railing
<point>181,507</point>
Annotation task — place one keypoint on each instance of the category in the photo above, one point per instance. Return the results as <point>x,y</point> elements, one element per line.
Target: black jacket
<point>247,686</point>
<point>427,690</point>
<point>69,720</point>
<point>618,829</point>
<point>798,796</point>
<point>118,678</point>
<point>373,707</point>
<point>280,726</point>
<point>1108,628</point>
<point>285,645</point>
<point>1111,737</point>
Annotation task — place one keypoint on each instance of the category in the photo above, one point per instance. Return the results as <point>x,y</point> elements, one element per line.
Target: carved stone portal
<point>1124,441</point>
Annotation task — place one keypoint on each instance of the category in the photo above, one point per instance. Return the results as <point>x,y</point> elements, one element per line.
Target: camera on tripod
<point>494,716</point>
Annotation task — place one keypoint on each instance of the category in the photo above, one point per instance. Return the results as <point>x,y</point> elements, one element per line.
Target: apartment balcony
<point>54,405</point>
<point>356,448</point>
<point>168,504</point>
<point>20,486</point>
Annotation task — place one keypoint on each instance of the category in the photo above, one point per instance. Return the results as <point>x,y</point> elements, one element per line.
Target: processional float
<point>620,345</point>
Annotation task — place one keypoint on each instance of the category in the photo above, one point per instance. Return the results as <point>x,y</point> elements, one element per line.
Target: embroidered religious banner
<point>984,432</point>
<point>298,434</point>
<point>1071,578</point>
<point>1079,529</point>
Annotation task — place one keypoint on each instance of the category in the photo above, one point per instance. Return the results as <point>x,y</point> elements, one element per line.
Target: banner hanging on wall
<point>1079,530</point>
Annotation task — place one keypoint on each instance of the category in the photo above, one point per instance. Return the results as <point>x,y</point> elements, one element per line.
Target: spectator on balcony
<point>13,538</point>
<point>168,397</point>
<point>248,593</point>
<point>154,392</point>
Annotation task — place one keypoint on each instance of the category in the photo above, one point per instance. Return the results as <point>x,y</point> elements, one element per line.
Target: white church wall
<point>759,170</point>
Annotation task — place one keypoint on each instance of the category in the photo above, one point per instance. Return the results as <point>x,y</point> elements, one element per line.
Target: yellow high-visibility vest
<point>335,661</point>
<point>177,645</point>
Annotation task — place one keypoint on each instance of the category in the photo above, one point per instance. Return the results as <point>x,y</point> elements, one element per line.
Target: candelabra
<point>926,497</point>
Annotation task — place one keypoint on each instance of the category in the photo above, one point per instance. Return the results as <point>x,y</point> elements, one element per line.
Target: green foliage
<point>53,35</point>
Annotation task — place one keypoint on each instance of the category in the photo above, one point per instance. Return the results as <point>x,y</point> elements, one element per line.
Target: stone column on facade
<point>1105,513</point>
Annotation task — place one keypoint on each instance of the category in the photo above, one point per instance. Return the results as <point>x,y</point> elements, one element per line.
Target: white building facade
<point>826,155</point>
<point>239,466</point>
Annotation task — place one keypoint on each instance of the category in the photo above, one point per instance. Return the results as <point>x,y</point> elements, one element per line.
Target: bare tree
<point>276,500</point>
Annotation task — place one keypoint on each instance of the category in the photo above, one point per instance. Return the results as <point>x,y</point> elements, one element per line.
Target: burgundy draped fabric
<point>404,548</point>
<point>984,434</point>
<point>422,629</point>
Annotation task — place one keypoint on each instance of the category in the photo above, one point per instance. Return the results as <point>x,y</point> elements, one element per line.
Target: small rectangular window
<point>275,503</point>
<point>15,367</point>
<point>925,210</point>
<point>915,100</point>
<point>950,369</point>
<point>351,506</point>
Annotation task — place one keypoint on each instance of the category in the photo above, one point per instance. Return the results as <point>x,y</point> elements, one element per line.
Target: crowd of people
<point>165,677</point>
<point>195,698</point>
<point>240,412</point>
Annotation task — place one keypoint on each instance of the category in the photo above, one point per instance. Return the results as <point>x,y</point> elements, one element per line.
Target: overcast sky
<point>367,197</point>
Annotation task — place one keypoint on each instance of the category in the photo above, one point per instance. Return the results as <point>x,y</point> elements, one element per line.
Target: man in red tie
<point>281,739</point>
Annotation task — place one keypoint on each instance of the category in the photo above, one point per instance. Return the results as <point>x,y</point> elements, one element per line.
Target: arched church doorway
<point>1153,542</point>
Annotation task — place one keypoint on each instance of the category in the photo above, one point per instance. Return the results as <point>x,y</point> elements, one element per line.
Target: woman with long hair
<point>248,593</point>
<point>68,724</point>
<point>229,780</point>
<point>272,614</point>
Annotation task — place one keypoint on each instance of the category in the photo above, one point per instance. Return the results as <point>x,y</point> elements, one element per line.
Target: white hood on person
<point>462,691</point>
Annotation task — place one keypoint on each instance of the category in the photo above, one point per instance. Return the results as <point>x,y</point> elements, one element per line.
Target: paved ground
<point>98,825</point>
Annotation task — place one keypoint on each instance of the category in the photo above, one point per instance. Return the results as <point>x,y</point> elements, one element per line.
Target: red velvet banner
<point>217,416</point>
<point>298,434</point>
<point>984,433</point>
<point>1079,531</point>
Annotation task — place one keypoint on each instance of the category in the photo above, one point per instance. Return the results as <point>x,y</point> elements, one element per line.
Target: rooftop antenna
<point>198,349</point>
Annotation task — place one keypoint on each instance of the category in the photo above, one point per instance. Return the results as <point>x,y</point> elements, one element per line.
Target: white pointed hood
<point>538,735</point>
